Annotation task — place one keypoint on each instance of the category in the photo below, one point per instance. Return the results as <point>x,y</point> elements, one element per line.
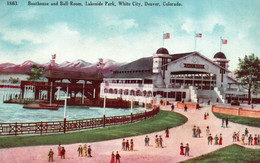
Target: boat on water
<point>42,106</point>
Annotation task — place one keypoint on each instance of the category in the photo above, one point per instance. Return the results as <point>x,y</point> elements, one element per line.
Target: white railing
<point>219,94</point>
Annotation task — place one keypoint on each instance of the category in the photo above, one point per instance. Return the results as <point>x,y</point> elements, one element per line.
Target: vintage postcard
<point>145,81</point>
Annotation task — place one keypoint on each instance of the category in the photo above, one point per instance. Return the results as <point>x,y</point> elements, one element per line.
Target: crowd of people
<point>251,140</point>
<point>128,146</point>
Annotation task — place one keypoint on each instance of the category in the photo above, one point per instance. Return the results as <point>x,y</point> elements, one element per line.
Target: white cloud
<point>118,23</point>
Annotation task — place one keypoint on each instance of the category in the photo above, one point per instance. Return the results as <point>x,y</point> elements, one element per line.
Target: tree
<point>248,73</point>
<point>36,73</point>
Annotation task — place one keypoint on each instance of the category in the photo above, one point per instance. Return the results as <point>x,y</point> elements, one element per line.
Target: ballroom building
<point>174,77</point>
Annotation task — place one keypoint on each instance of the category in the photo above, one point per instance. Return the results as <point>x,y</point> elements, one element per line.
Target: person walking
<point>234,137</point>
<point>146,140</point>
<point>62,152</point>
<point>181,149</point>
<point>207,131</point>
<point>226,122</point>
<point>112,160</point>
<point>156,141</point>
<point>131,145</point>
<point>172,107</point>
<point>243,139</point>
<point>85,149</point>
<point>255,140</point>
<point>187,150</point>
<point>207,116</point>
<point>185,108</point>
<point>51,153</point>
<point>167,132</point>
<point>89,151</point>
<point>80,150</point>
<point>198,131</point>
<point>127,145</point>
<point>216,140</point>
<point>123,145</point>
<point>250,140</point>
<point>238,136</point>
<point>220,139</point>
<point>160,141</point>
<point>258,140</point>
<point>117,157</point>
<point>194,132</point>
<point>223,123</point>
<point>246,132</point>
<point>209,102</point>
<point>210,138</point>
<point>59,150</point>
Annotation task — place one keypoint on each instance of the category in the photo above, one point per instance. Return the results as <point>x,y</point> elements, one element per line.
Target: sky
<point>125,34</point>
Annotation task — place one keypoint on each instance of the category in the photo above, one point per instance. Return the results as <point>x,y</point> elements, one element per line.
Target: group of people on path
<point>158,141</point>
<point>223,122</point>
<point>61,153</point>
<point>251,140</point>
<point>84,151</point>
<point>113,156</point>
<point>128,146</point>
<point>206,116</point>
<point>196,132</point>
<point>186,149</point>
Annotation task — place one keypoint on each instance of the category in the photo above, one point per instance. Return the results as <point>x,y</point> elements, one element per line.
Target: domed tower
<point>220,59</point>
<point>160,58</point>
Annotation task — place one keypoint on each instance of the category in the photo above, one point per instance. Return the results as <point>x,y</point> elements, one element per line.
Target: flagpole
<point>195,42</point>
<point>163,40</point>
<point>220,43</point>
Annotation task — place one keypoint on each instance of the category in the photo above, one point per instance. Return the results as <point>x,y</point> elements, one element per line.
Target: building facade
<point>173,77</point>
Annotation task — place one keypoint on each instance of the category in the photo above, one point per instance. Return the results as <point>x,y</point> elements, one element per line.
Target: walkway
<point>101,151</point>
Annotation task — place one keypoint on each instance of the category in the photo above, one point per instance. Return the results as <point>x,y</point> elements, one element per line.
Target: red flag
<point>224,41</point>
<point>166,35</point>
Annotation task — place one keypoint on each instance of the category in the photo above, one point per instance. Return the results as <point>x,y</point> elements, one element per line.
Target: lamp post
<point>104,112</point>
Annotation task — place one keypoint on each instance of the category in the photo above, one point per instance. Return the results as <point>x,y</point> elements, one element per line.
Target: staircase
<point>212,95</point>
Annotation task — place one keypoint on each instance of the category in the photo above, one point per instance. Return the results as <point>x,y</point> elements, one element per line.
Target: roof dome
<point>220,55</point>
<point>162,51</point>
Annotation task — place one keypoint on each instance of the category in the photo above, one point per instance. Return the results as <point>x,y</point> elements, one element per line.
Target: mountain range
<point>78,65</point>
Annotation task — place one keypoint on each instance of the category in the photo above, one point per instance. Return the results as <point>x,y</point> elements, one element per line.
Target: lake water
<point>16,112</point>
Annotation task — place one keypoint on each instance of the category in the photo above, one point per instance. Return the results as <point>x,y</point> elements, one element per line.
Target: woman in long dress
<point>131,145</point>
<point>167,132</point>
<point>238,136</point>
<point>243,139</point>
<point>207,131</point>
<point>216,140</point>
<point>181,148</point>
<point>85,148</point>
<point>194,132</point>
<point>223,123</point>
<point>255,140</point>
<point>156,141</point>
<point>112,157</point>
<point>220,139</point>
<point>59,150</point>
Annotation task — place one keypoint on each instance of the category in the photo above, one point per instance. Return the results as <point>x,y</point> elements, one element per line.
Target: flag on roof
<point>224,41</point>
<point>198,35</point>
<point>53,56</point>
<point>166,35</point>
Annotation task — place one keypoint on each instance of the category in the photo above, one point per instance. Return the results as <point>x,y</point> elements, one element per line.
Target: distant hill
<point>78,65</point>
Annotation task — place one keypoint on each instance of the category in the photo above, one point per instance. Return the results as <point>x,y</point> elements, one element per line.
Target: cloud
<point>119,24</point>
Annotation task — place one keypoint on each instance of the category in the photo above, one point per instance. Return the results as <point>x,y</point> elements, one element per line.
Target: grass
<point>255,122</point>
<point>159,122</point>
<point>232,153</point>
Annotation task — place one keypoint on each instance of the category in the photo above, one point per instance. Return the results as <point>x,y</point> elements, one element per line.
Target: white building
<point>174,77</point>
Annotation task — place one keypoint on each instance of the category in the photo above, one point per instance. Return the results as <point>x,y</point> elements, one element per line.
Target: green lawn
<point>159,122</point>
<point>229,154</point>
<point>255,122</point>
